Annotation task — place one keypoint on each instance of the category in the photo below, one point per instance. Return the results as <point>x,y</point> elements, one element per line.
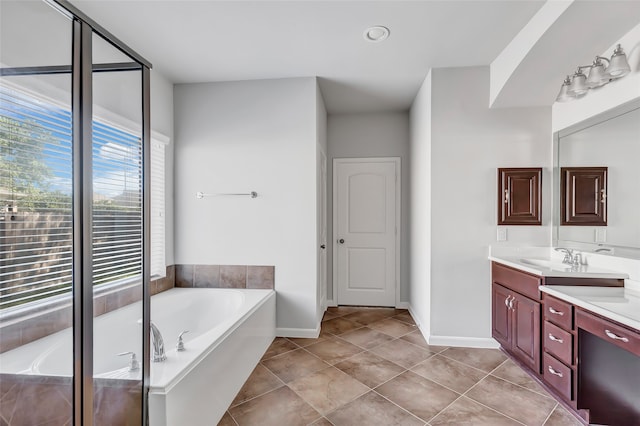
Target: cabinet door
<point>500,312</point>
<point>525,342</point>
<point>519,196</point>
<point>583,196</point>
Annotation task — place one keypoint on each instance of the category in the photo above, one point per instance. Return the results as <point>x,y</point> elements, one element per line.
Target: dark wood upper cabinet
<point>519,196</point>
<point>583,197</point>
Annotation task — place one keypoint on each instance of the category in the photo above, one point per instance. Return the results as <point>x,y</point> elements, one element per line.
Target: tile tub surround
<point>50,320</point>
<point>366,369</point>
<point>225,276</point>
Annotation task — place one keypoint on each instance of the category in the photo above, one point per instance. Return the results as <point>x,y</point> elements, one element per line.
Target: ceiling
<point>209,41</point>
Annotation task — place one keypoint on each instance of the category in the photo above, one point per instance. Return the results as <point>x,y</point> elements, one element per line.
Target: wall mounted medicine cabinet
<point>519,196</point>
<point>583,196</point>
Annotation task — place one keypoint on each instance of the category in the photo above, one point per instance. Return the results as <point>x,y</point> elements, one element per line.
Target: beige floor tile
<point>512,400</point>
<point>370,369</point>
<point>279,346</point>
<point>322,422</point>
<point>420,396</point>
<point>276,408</point>
<point>482,359</point>
<point>339,311</point>
<point>447,372</point>
<point>392,327</point>
<point>405,317</point>
<point>366,337</point>
<point>372,409</point>
<point>227,420</point>
<point>339,325</point>
<point>510,372</point>
<point>465,412</point>
<point>403,353</point>
<point>416,338</point>
<point>303,342</point>
<point>333,351</point>
<point>261,381</point>
<point>328,389</point>
<point>294,364</point>
<point>560,417</point>
<point>328,315</point>
<point>366,316</point>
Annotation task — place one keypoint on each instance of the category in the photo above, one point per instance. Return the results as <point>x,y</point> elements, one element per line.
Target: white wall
<point>162,122</point>
<point>372,135</point>
<point>251,136</point>
<point>469,142</point>
<point>420,214</point>
<point>607,97</point>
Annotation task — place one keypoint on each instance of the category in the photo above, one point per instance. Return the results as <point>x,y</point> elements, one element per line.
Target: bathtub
<point>229,330</point>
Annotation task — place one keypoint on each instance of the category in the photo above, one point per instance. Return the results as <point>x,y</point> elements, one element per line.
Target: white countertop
<point>547,266</point>
<point>619,304</point>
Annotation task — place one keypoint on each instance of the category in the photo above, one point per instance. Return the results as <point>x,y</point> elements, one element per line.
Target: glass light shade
<point>597,76</point>
<point>619,66</point>
<point>564,95</point>
<point>578,86</point>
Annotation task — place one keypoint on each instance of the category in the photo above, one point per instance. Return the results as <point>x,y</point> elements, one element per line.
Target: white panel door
<point>365,222</point>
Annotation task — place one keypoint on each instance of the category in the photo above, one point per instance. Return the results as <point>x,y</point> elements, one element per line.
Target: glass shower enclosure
<point>74,220</point>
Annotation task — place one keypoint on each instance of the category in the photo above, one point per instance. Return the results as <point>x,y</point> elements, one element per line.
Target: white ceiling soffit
<point>582,31</point>
<point>210,41</point>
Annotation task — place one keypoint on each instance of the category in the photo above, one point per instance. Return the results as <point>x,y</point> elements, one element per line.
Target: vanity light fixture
<point>376,34</point>
<point>578,84</point>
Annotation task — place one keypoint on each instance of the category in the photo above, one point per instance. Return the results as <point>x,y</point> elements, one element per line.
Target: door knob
<point>341,240</point>
<point>323,247</point>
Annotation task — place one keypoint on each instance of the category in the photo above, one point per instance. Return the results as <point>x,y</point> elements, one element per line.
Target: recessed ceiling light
<point>376,34</point>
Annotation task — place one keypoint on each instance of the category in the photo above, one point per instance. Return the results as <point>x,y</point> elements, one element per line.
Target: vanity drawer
<point>609,331</point>
<point>558,312</point>
<point>515,280</point>
<point>558,342</point>
<point>558,375</point>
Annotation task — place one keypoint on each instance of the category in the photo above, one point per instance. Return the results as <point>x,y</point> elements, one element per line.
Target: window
<point>36,200</point>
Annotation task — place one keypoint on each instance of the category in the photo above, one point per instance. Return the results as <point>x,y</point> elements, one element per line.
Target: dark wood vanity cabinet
<point>519,196</point>
<point>516,314</point>
<point>583,196</point>
<point>590,363</point>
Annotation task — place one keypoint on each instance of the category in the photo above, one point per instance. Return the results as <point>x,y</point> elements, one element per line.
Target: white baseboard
<point>402,305</point>
<point>331,303</point>
<point>466,342</point>
<point>455,341</point>
<point>307,333</point>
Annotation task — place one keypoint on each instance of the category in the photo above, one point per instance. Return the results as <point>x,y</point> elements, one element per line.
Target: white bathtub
<point>229,330</point>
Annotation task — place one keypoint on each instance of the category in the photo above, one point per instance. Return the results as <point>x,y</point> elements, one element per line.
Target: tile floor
<point>371,366</point>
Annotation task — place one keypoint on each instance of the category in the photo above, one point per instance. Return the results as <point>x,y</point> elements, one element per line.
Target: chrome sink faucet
<point>568,255</point>
<point>158,344</point>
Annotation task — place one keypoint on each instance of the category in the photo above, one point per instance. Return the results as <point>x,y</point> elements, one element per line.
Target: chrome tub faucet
<point>158,344</point>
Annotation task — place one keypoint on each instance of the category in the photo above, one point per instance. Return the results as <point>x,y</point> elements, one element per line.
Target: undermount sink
<point>549,264</point>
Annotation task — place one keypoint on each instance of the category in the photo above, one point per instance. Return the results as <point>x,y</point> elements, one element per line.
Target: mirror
<point>610,140</point>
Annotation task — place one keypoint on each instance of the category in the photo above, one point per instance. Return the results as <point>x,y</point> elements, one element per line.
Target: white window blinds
<point>36,195</point>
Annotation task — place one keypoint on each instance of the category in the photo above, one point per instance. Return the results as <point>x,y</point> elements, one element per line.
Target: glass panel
<point>117,239</point>
<point>36,341</point>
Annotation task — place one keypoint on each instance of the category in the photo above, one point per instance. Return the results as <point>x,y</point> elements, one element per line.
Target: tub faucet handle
<point>134,365</point>
<point>180,344</point>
